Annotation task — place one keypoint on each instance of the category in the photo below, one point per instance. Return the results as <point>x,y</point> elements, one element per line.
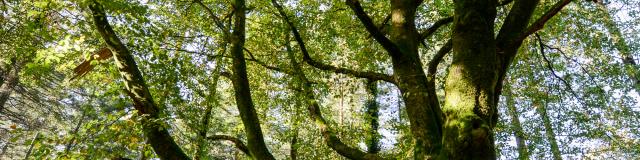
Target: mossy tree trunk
<point>473,86</point>
<point>541,109</point>
<point>372,110</point>
<point>157,136</point>
<point>422,108</point>
<point>469,105</point>
<point>255,138</point>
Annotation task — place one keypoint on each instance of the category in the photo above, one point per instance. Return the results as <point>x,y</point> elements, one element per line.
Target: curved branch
<point>431,72</point>
<point>553,72</point>
<point>433,64</point>
<point>435,27</point>
<point>386,43</point>
<point>238,143</point>
<point>307,58</point>
<point>330,137</point>
<point>263,64</point>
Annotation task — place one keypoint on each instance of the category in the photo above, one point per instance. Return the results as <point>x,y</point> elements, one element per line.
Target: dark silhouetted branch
<point>386,43</point>
<point>307,58</point>
<point>539,24</point>
<point>237,142</point>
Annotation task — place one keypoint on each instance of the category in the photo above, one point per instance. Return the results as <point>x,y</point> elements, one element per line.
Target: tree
<point>324,79</point>
<point>135,86</point>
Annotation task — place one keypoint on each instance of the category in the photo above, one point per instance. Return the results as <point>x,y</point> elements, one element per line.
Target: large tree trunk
<point>469,103</point>
<point>157,136</point>
<point>423,109</point>
<point>241,86</point>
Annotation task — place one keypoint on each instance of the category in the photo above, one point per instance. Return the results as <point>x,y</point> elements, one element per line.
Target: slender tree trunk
<point>211,100</point>
<point>295,122</point>
<point>75,132</point>
<point>518,132</point>
<point>372,108</point>
<point>306,92</point>
<point>631,67</point>
<point>157,136</point>
<point>469,103</point>
<point>3,150</point>
<point>248,114</point>
<point>33,143</point>
<point>548,129</point>
<point>10,81</point>
<point>294,148</point>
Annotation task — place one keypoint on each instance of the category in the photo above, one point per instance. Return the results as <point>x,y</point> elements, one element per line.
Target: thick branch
<point>433,64</point>
<point>539,24</point>
<point>239,144</point>
<point>215,18</point>
<point>307,58</point>
<point>435,27</point>
<point>383,24</point>
<point>387,44</point>
<point>514,24</point>
<point>431,73</point>
<point>265,65</point>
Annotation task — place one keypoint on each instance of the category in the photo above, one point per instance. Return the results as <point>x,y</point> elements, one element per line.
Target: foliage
<point>577,72</point>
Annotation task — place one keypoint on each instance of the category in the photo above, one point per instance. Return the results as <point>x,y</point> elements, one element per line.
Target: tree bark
<point>469,103</point>
<point>422,107</point>
<point>241,86</point>
<point>10,80</point>
<point>372,109</point>
<point>211,100</point>
<point>548,130</point>
<point>518,132</point>
<point>157,135</point>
